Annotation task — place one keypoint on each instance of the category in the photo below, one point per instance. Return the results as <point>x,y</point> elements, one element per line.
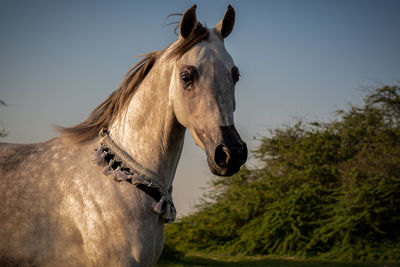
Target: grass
<point>195,259</point>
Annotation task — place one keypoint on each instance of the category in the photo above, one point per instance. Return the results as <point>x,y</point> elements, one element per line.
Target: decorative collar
<point>121,167</point>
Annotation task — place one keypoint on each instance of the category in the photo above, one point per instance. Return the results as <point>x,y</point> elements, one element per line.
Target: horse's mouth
<point>232,168</point>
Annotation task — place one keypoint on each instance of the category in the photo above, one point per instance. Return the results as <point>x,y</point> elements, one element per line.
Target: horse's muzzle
<point>229,154</point>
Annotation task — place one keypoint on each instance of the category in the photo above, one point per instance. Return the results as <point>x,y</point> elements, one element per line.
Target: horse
<point>100,193</point>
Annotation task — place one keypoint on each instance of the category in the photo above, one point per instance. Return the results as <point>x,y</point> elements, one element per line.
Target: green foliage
<point>325,190</point>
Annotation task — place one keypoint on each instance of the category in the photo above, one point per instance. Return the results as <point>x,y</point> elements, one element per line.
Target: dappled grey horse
<point>100,194</point>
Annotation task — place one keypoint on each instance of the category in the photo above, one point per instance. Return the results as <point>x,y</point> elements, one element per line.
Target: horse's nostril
<point>230,158</point>
<point>222,156</point>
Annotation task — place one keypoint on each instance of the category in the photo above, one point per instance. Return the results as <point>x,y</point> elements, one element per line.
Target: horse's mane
<point>111,108</point>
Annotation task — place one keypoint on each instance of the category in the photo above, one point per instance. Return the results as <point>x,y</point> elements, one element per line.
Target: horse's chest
<point>117,223</point>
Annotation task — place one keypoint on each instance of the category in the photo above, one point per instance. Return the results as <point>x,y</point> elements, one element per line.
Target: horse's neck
<point>148,130</point>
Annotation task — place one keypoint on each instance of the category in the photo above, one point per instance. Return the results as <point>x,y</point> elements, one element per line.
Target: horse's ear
<point>225,26</point>
<point>188,22</point>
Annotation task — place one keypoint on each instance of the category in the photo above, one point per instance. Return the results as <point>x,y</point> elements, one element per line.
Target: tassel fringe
<point>164,207</point>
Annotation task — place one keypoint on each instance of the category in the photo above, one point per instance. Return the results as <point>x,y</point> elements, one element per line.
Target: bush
<point>326,190</point>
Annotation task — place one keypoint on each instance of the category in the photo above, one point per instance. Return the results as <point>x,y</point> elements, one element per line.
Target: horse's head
<point>203,93</point>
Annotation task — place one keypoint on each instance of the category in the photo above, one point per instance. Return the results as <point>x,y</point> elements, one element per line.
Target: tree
<point>327,190</point>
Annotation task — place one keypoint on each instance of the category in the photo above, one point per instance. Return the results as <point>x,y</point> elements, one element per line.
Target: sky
<point>297,59</point>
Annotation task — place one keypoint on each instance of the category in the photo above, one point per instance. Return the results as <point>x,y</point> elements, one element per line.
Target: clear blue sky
<point>298,59</point>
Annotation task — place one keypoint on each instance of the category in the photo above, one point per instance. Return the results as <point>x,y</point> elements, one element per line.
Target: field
<point>193,259</point>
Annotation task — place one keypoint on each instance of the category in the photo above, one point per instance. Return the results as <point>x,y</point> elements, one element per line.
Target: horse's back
<point>30,223</point>
<point>13,155</point>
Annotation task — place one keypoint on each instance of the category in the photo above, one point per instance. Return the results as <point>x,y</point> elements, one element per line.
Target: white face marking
<point>210,102</point>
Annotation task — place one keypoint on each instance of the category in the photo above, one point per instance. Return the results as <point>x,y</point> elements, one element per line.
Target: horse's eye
<point>188,76</point>
<point>235,74</point>
<point>185,77</point>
